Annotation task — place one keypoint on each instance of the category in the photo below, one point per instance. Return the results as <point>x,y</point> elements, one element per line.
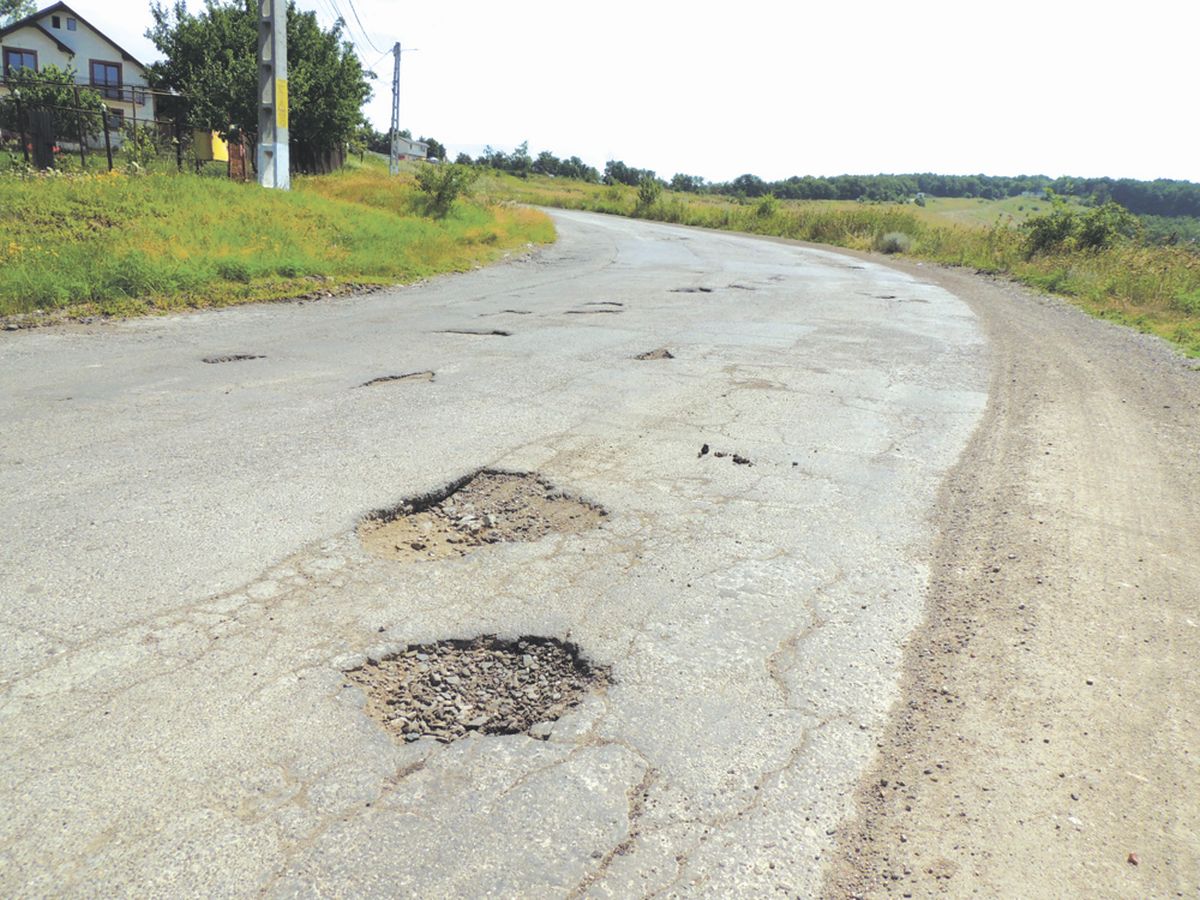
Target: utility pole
<point>273,159</point>
<point>394,161</point>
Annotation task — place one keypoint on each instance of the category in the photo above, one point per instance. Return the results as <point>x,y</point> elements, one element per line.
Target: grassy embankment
<point>1153,289</point>
<point>119,245</point>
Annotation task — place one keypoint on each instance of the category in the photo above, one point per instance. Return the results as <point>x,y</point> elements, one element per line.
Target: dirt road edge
<point>1045,742</point>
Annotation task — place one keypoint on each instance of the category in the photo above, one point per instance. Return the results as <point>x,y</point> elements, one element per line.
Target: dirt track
<point>1050,721</point>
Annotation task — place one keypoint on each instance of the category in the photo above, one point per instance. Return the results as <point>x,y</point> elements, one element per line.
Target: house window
<point>15,60</point>
<point>70,24</point>
<point>114,120</point>
<point>55,22</point>
<point>107,77</point>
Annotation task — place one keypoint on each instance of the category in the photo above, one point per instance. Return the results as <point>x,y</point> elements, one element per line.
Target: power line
<point>340,16</point>
<point>360,27</point>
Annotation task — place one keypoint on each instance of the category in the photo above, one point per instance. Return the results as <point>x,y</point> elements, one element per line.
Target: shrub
<point>893,242</point>
<point>766,207</point>
<point>441,185</point>
<point>1106,225</point>
<point>649,191</point>
<point>1188,302</point>
<point>1051,231</point>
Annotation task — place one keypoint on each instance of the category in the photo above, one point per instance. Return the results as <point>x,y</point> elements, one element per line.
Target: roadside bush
<point>649,191</point>
<point>766,207</point>
<point>1106,225</point>
<point>441,185</point>
<point>893,242</point>
<point>1065,229</point>
<point>1188,302</point>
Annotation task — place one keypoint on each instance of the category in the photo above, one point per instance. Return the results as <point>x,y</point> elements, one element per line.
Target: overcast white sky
<point>787,88</point>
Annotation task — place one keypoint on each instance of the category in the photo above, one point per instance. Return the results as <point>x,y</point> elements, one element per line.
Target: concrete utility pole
<point>394,160</point>
<point>274,169</point>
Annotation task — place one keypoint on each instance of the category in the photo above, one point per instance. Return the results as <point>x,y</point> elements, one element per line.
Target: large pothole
<point>449,689</point>
<point>488,507</point>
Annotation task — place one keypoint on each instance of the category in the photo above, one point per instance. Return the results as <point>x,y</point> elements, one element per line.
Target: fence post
<point>21,133</point>
<point>107,143</point>
<point>178,145</point>
<point>79,128</point>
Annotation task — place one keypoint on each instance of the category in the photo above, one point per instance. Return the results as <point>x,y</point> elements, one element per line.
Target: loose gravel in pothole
<point>660,353</point>
<point>487,508</point>
<point>449,689</point>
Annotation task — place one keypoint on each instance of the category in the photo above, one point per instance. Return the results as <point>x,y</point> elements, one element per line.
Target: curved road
<point>182,584</point>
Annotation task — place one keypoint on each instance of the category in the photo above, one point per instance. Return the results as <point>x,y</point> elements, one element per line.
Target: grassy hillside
<point>1154,289</point>
<point>114,244</point>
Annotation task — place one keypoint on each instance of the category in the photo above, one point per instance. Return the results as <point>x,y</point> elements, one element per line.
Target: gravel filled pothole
<point>449,689</point>
<point>488,507</point>
<point>660,353</point>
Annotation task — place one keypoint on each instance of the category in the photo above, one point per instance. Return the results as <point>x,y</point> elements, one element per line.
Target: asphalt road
<point>182,583</point>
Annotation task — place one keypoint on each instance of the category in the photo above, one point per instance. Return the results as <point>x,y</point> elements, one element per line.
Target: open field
<point>1153,289</point>
<point>117,245</point>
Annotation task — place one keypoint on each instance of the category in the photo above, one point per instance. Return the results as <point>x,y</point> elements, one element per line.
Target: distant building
<point>59,36</point>
<point>410,149</point>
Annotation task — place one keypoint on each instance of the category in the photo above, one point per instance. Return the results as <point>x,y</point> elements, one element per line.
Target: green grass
<point>1153,289</point>
<point>118,245</point>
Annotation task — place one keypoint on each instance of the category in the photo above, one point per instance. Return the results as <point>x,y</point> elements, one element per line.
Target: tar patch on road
<point>449,689</point>
<point>478,332</point>
<point>488,507</point>
<point>660,353</point>
<point>408,376</point>
<point>232,357</point>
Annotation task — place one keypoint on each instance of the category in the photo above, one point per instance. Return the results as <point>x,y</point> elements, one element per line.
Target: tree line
<point>1160,197</point>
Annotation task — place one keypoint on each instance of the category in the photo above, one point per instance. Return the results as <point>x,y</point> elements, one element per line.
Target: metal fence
<point>70,134</point>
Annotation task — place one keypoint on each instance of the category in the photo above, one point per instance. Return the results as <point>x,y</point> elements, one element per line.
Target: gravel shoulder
<point>1047,737</point>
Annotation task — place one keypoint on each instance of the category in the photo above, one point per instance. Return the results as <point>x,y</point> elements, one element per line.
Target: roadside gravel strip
<point>1047,743</point>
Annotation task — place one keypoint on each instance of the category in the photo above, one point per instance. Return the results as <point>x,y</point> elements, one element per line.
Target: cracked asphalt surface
<point>183,586</point>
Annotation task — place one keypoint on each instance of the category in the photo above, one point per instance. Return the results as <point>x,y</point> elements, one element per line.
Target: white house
<point>407,148</point>
<point>57,35</point>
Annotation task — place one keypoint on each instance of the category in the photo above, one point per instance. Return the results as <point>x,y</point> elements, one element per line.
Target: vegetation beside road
<point>127,245</point>
<point>1149,287</point>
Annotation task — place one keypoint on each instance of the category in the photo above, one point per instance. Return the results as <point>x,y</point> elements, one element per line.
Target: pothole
<point>692,290</point>
<point>489,507</point>
<point>479,332</point>
<point>232,357</point>
<point>736,458</point>
<point>603,303</point>
<point>407,376</point>
<point>592,312</point>
<point>743,287</point>
<point>660,353</point>
<point>449,689</point>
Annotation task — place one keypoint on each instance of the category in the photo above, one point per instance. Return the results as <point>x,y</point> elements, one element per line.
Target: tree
<point>691,184</point>
<point>212,59</point>
<point>11,10</point>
